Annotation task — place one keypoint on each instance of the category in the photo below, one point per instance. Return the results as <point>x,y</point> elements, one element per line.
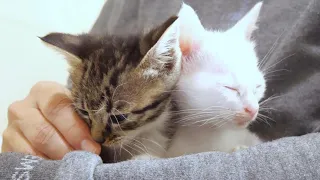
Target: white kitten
<point>220,86</point>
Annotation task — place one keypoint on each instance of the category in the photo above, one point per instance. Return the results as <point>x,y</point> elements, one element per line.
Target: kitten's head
<point>221,77</point>
<point>120,84</point>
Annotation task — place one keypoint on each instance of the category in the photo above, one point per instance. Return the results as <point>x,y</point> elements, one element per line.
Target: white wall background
<point>24,60</point>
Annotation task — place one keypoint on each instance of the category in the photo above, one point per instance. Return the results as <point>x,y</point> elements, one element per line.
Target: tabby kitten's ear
<point>161,49</point>
<point>67,44</point>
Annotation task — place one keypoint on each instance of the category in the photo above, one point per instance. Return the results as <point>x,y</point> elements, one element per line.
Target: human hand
<point>44,124</point>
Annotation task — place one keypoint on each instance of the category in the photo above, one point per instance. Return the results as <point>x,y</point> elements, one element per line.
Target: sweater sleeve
<point>287,158</point>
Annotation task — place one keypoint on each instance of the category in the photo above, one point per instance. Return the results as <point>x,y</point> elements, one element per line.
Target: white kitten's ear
<point>66,44</point>
<point>191,29</point>
<point>247,24</point>
<point>164,57</point>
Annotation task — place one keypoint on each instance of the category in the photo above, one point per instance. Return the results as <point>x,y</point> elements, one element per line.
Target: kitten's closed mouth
<point>111,140</point>
<point>242,121</point>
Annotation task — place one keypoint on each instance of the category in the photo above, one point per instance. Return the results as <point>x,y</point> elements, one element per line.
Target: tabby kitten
<point>121,86</point>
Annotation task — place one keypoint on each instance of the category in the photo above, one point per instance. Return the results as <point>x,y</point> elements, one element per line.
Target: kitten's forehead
<point>104,66</point>
<point>114,81</point>
<point>231,58</point>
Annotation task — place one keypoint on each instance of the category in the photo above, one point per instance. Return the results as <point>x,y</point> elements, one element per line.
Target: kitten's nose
<point>251,111</point>
<point>100,140</point>
<point>98,136</point>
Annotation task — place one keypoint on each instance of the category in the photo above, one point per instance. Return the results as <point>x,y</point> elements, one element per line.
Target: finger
<point>54,102</point>
<point>14,141</point>
<point>43,136</point>
<point>16,109</point>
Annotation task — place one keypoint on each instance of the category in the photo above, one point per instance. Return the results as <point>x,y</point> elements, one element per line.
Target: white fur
<point>208,109</point>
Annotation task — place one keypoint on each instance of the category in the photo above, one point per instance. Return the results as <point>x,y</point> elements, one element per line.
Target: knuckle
<point>6,134</point>
<point>10,131</point>
<point>14,109</point>
<point>39,86</point>
<point>44,134</point>
<point>56,102</point>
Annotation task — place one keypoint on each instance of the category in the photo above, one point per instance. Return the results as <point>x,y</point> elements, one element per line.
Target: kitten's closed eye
<point>83,112</point>
<point>232,89</point>
<point>258,86</point>
<point>118,118</point>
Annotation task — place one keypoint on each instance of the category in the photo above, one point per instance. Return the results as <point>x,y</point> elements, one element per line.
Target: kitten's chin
<point>242,122</point>
<point>114,143</point>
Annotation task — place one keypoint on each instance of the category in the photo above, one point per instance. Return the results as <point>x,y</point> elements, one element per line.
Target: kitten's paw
<point>145,157</point>
<point>238,148</point>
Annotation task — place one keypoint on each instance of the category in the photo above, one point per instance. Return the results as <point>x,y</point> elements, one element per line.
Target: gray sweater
<point>288,158</point>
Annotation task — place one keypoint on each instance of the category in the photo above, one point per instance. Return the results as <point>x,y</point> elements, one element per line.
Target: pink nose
<point>251,111</point>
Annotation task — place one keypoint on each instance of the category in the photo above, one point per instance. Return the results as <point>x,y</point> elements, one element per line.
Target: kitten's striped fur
<point>121,86</point>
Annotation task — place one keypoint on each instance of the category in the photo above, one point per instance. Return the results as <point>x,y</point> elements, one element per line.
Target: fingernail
<point>88,145</point>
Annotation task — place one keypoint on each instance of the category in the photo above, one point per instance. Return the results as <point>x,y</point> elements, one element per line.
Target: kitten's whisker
<point>266,109</point>
<point>99,110</point>
<point>265,70</point>
<point>270,77</point>
<point>133,139</point>
<point>220,124</point>
<point>198,116</point>
<point>194,117</point>
<point>263,120</point>
<point>269,99</point>
<point>264,59</point>
<point>261,115</point>
<point>225,122</point>
<point>188,114</point>
<point>121,113</point>
<point>204,121</point>
<point>144,151</point>
<point>119,124</point>
<point>152,142</point>
<point>211,120</point>
<point>274,71</point>
<point>130,103</point>
<point>116,90</point>
<point>273,79</point>
<point>134,149</point>
<point>214,119</point>
<point>127,150</point>
<point>204,110</point>
<point>201,112</point>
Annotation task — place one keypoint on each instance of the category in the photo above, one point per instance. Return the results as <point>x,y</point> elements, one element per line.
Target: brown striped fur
<point>131,76</point>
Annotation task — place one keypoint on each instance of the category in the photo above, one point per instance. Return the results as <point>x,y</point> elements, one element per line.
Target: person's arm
<point>287,158</point>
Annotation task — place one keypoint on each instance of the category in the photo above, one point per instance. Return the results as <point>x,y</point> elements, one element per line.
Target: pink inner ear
<point>188,45</point>
<point>185,45</point>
